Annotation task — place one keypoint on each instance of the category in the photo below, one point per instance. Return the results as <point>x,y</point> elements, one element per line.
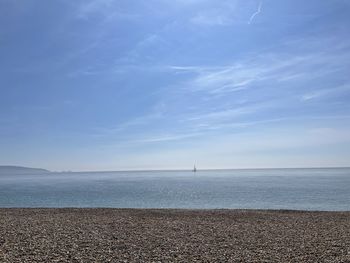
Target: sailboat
<point>194,169</point>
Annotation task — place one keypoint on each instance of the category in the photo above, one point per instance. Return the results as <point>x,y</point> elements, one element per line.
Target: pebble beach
<point>167,235</point>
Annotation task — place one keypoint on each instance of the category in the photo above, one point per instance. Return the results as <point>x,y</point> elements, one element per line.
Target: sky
<point>163,84</point>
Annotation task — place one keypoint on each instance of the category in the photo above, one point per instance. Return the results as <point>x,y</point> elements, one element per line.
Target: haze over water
<point>302,189</point>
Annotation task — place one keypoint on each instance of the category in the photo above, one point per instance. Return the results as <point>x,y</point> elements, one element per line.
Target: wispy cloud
<point>272,69</point>
<point>239,76</point>
<point>258,11</point>
<point>212,20</point>
<point>231,78</point>
<point>186,69</point>
<point>168,137</point>
<point>326,92</point>
<point>87,8</point>
<point>224,13</point>
<point>125,126</point>
<point>269,84</point>
<point>225,114</point>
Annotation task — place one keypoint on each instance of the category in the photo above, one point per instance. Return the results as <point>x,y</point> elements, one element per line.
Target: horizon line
<point>174,170</point>
<point>198,170</point>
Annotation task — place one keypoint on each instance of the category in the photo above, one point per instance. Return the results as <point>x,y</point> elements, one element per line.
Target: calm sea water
<point>306,189</point>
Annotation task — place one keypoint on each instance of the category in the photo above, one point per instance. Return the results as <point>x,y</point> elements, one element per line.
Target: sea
<point>326,189</point>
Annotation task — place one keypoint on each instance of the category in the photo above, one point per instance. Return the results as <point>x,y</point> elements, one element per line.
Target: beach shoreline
<point>172,235</point>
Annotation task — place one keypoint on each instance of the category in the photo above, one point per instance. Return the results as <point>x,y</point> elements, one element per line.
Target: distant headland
<point>9,169</point>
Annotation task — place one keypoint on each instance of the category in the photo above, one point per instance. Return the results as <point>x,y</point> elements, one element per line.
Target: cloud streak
<point>325,92</point>
<point>258,11</point>
<point>212,20</point>
<point>268,70</point>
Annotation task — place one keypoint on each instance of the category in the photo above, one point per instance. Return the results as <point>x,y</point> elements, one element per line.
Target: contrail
<point>255,14</point>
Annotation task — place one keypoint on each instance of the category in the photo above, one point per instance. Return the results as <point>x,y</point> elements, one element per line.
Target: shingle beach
<point>166,235</point>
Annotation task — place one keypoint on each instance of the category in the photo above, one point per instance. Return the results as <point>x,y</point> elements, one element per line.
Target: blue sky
<point>158,84</point>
